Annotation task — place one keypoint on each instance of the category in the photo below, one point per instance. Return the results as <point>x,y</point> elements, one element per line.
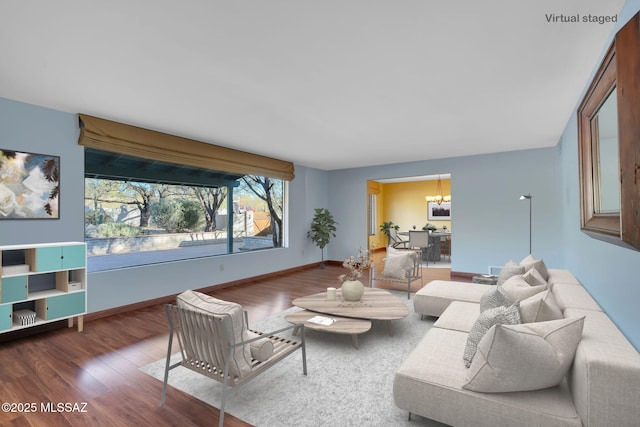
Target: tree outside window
<point>123,216</point>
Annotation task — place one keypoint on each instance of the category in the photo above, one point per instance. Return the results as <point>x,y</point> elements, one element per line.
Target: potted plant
<point>323,228</point>
<point>385,227</point>
<point>429,227</point>
<point>352,288</point>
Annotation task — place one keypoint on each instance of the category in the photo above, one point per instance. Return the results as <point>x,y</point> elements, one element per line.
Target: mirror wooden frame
<point>619,71</point>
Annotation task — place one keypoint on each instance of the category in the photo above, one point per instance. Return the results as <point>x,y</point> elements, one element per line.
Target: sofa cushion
<point>540,308</point>
<point>436,295</point>
<point>494,297</point>
<point>511,268</point>
<point>235,327</point>
<point>459,316</point>
<point>524,357</point>
<point>530,262</point>
<point>557,275</point>
<point>501,315</point>
<point>429,383</point>
<point>572,296</point>
<point>518,289</point>
<point>397,262</point>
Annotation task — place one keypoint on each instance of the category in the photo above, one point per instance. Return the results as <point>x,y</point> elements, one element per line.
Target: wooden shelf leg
<point>80,323</point>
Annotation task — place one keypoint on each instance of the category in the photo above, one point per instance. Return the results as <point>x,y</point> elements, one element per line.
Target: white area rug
<point>344,386</point>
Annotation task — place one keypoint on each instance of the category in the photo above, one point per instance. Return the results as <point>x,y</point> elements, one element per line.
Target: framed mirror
<point>608,135</point>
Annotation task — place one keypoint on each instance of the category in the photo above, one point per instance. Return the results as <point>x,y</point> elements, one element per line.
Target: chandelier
<point>439,198</point>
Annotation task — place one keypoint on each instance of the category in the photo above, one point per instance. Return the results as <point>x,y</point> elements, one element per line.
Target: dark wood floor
<point>100,366</point>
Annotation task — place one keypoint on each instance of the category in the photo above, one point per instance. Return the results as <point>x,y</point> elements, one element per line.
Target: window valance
<point>373,187</point>
<point>120,138</point>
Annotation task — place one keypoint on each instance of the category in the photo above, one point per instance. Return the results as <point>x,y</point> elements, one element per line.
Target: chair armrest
<point>286,328</point>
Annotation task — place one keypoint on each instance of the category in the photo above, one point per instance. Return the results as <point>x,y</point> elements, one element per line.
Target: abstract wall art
<point>29,185</point>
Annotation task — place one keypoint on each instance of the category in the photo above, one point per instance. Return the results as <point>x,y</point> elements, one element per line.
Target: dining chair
<point>395,240</point>
<point>419,239</point>
<point>445,246</point>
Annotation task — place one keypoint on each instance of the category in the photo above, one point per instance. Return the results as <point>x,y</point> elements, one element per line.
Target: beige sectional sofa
<point>601,388</point>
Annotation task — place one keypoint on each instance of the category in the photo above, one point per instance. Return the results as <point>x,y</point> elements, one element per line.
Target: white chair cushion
<point>262,349</point>
<point>398,262</point>
<point>197,301</point>
<point>530,356</point>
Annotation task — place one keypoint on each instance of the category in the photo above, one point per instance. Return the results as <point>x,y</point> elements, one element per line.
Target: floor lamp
<point>528,197</point>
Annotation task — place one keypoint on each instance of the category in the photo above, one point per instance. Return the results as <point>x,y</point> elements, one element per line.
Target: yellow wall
<point>404,203</point>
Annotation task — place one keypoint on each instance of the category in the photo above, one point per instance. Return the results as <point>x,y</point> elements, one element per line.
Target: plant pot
<point>352,290</point>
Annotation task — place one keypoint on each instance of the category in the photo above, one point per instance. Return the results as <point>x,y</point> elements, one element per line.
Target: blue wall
<point>25,127</point>
<point>610,273</point>
<point>490,224</point>
<point>34,129</point>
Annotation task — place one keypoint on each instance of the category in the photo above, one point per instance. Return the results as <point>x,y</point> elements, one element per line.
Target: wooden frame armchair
<point>210,345</point>
<point>406,271</point>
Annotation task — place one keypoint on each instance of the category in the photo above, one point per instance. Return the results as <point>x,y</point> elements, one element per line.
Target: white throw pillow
<point>534,278</point>
<point>541,307</point>
<point>530,356</point>
<point>261,349</point>
<point>508,270</point>
<point>495,316</point>
<point>518,289</point>
<point>494,297</point>
<point>398,262</point>
<point>529,262</point>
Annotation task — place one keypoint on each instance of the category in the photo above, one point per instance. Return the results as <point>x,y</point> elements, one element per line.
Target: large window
<point>152,197</point>
<point>144,220</point>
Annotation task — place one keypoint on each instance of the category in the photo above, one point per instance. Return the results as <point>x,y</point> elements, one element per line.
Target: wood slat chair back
<point>207,346</point>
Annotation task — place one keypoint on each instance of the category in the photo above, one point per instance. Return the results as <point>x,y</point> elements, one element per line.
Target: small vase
<point>352,290</point>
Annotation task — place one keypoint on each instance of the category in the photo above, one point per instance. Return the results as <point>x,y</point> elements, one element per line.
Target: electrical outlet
<point>221,267</point>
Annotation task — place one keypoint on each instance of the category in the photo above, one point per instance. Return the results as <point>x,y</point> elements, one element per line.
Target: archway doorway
<point>413,203</point>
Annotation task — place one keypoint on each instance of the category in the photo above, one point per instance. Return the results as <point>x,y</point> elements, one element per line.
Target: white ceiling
<point>328,83</point>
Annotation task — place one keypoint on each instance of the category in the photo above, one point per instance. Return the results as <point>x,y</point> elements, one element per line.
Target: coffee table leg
<point>389,331</point>
<point>354,337</point>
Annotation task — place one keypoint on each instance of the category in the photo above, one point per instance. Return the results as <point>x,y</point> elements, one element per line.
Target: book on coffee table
<point>321,320</point>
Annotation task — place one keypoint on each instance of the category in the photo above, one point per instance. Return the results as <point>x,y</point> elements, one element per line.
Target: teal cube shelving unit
<point>49,279</point>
